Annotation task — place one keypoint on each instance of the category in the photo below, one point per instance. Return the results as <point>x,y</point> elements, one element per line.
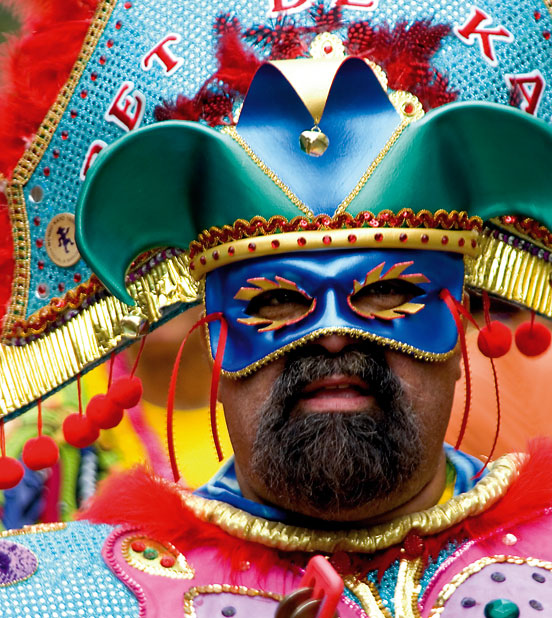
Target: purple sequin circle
<point>16,562</point>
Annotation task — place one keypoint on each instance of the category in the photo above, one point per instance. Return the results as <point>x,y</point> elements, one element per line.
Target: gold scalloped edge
<point>454,241</point>
<point>275,534</point>
<point>33,370</point>
<point>192,593</point>
<point>34,529</point>
<point>30,160</point>
<point>325,332</point>
<point>512,274</point>
<point>450,588</point>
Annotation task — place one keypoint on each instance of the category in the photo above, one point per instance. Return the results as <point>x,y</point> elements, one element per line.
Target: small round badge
<point>60,240</point>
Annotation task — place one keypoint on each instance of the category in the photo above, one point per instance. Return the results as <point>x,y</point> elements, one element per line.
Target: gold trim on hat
<point>514,274</point>
<point>29,162</point>
<point>30,371</point>
<point>454,241</point>
<point>436,519</point>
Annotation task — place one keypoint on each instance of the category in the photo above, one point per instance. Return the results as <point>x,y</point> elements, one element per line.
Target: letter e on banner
<point>475,29</point>
<point>164,56</point>
<point>528,86</point>
<point>127,108</point>
<point>93,151</point>
<point>367,5</point>
<point>277,7</point>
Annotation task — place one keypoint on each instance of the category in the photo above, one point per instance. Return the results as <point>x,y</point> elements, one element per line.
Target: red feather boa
<point>142,500</point>
<point>35,65</point>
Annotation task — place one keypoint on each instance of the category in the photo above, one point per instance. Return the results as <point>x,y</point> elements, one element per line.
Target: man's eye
<point>279,304</point>
<point>384,295</point>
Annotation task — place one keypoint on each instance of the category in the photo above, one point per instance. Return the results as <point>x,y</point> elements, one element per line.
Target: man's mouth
<point>337,393</point>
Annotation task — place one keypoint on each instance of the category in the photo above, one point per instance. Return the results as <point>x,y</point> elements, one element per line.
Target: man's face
<point>339,429</point>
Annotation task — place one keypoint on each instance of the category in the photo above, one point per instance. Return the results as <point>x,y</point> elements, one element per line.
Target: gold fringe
<point>29,162</point>
<point>244,526</point>
<point>511,273</point>
<point>30,371</point>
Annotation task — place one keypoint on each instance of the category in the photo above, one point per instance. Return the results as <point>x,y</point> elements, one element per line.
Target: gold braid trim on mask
<point>247,527</point>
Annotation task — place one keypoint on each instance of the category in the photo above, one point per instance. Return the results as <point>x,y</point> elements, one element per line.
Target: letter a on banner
<point>530,86</point>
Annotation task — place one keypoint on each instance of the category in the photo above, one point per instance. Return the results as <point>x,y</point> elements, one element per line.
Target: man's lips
<point>338,393</point>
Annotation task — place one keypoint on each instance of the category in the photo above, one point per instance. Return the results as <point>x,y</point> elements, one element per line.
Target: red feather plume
<point>140,499</point>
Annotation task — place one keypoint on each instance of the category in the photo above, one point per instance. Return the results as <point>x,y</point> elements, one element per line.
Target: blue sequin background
<point>135,27</point>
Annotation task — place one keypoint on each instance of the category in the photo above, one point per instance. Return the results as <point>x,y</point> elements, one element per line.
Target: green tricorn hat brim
<point>161,186</point>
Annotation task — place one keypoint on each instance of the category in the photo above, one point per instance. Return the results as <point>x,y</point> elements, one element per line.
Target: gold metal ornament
<point>314,142</point>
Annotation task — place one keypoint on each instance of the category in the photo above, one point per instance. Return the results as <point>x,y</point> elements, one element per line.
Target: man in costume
<point>330,235</point>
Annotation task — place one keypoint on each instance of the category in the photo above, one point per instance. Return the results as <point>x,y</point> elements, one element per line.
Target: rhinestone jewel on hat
<point>314,142</point>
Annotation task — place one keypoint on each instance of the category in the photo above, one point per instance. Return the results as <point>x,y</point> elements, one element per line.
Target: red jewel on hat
<point>327,240</point>
<point>378,237</point>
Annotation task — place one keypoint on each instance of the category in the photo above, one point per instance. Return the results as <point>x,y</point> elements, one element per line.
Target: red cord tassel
<point>214,389</point>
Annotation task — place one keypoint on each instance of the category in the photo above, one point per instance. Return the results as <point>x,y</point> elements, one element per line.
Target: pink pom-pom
<point>79,431</point>
<point>126,392</point>
<point>532,339</point>
<point>11,472</point>
<point>104,412</point>
<point>41,452</point>
<point>494,340</point>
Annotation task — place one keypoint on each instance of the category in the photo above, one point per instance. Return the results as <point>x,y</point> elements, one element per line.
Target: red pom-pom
<point>532,339</point>
<point>494,340</point>
<point>103,412</point>
<point>126,392</point>
<point>41,452</point>
<point>11,472</point>
<point>79,431</point>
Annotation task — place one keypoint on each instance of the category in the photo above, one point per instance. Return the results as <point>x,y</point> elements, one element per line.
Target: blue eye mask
<point>274,304</point>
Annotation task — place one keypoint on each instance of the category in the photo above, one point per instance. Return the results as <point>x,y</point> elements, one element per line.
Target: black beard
<point>320,462</point>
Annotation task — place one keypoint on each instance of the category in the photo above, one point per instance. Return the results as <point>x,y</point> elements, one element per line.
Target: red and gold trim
<point>407,218</point>
<point>455,241</point>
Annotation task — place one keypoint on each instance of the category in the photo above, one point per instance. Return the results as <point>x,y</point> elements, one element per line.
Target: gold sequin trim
<point>180,570</point>
<point>408,588</point>
<point>33,370</point>
<point>364,178</point>
<point>448,589</point>
<point>242,525</point>
<point>31,158</point>
<point>368,595</point>
<point>192,593</point>
<point>231,131</point>
<point>324,332</point>
<point>34,529</point>
<point>463,242</point>
<point>511,273</point>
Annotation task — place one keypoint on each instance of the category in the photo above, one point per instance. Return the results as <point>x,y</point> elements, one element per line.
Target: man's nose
<point>335,343</point>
